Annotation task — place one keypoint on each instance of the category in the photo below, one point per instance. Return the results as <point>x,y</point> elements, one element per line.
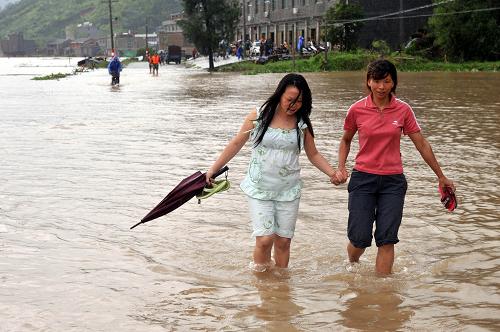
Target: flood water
<point>82,162</point>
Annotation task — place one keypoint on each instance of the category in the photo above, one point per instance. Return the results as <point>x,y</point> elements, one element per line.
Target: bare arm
<point>427,154</point>
<point>316,158</point>
<point>344,149</point>
<point>234,146</point>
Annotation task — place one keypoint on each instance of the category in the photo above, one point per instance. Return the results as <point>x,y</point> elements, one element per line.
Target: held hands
<point>340,176</point>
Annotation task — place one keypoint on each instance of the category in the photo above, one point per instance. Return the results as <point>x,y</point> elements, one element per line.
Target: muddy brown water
<point>82,162</point>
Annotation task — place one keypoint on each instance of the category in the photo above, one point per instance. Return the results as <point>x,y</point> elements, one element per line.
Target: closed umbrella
<point>183,192</point>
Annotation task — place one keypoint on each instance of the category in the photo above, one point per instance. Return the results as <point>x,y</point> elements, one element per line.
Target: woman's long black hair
<point>271,104</point>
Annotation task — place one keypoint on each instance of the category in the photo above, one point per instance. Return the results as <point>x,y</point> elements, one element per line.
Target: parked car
<point>174,54</point>
<point>255,48</point>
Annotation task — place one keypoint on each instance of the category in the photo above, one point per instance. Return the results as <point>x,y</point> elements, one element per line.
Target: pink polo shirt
<point>380,134</point>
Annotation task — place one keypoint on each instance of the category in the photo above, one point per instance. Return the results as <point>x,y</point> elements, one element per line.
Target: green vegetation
<point>459,30</point>
<point>339,31</point>
<point>355,61</point>
<point>100,65</point>
<point>125,62</point>
<point>45,20</point>
<point>51,77</point>
<point>469,34</point>
<point>207,22</point>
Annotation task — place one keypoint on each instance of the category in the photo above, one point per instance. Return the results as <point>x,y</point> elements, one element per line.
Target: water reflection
<point>374,306</point>
<point>277,310</point>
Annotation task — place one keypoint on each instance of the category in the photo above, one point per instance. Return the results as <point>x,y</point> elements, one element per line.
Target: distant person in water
<point>377,187</point>
<point>155,59</point>
<point>150,61</point>
<point>114,69</point>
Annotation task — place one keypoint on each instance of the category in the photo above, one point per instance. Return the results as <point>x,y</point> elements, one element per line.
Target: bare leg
<point>282,251</point>
<point>262,250</point>
<point>354,253</point>
<point>385,259</point>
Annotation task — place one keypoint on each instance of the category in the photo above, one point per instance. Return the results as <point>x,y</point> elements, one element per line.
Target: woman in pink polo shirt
<point>377,186</point>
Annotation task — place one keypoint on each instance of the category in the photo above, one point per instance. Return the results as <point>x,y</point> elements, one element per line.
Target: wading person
<point>114,69</point>
<point>150,61</point>
<point>377,186</point>
<point>279,130</point>
<point>155,59</point>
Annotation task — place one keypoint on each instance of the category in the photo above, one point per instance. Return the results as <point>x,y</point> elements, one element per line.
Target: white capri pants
<point>273,217</point>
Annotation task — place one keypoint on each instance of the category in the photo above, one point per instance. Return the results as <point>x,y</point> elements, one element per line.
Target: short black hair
<point>379,69</point>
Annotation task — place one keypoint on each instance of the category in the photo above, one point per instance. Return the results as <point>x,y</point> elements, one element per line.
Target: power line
<point>443,14</point>
<point>399,12</point>
<point>385,16</point>
<point>417,8</point>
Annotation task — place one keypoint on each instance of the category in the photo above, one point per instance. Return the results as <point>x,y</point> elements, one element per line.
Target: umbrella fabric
<point>183,192</point>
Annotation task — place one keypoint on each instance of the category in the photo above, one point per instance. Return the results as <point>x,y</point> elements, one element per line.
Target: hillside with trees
<point>44,20</point>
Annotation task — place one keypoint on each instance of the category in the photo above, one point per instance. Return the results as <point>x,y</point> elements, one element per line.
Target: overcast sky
<point>4,2</point>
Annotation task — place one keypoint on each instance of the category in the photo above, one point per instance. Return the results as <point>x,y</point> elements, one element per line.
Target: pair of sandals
<point>216,187</point>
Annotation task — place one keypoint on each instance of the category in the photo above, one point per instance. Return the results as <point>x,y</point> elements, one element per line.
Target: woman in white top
<point>278,130</point>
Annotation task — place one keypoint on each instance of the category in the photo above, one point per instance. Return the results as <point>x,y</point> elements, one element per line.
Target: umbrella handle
<point>219,172</point>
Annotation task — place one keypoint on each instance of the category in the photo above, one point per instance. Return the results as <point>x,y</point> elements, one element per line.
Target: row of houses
<point>125,44</point>
<point>278,20</point>
<point>287,20</point>
<point>282,20</point>
<point>16,45</point>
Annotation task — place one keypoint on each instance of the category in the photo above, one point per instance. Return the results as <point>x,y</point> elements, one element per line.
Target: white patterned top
<point>274,170</point>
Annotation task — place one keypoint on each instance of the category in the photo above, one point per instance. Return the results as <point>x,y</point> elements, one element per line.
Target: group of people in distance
<point>115,67</point>
<point>154,63</point>
<point>281,128</point>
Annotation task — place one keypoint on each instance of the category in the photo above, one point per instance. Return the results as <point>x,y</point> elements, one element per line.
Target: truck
<point>174,54</point>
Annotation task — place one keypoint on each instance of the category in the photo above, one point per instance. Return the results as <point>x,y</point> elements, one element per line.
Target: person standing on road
<point>378,186</point>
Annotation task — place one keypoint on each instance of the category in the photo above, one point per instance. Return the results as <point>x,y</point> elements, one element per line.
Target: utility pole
<point>401,24</point>
<point>326,47</point>
<point>147,44</point>
<point>244,23</point>
<point>111,25</point>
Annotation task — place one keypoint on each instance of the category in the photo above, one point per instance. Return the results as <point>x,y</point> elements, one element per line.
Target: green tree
<point>207,22</point>
<point>465,34</point>
<point>341,30</point>
<point>381,47</point>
